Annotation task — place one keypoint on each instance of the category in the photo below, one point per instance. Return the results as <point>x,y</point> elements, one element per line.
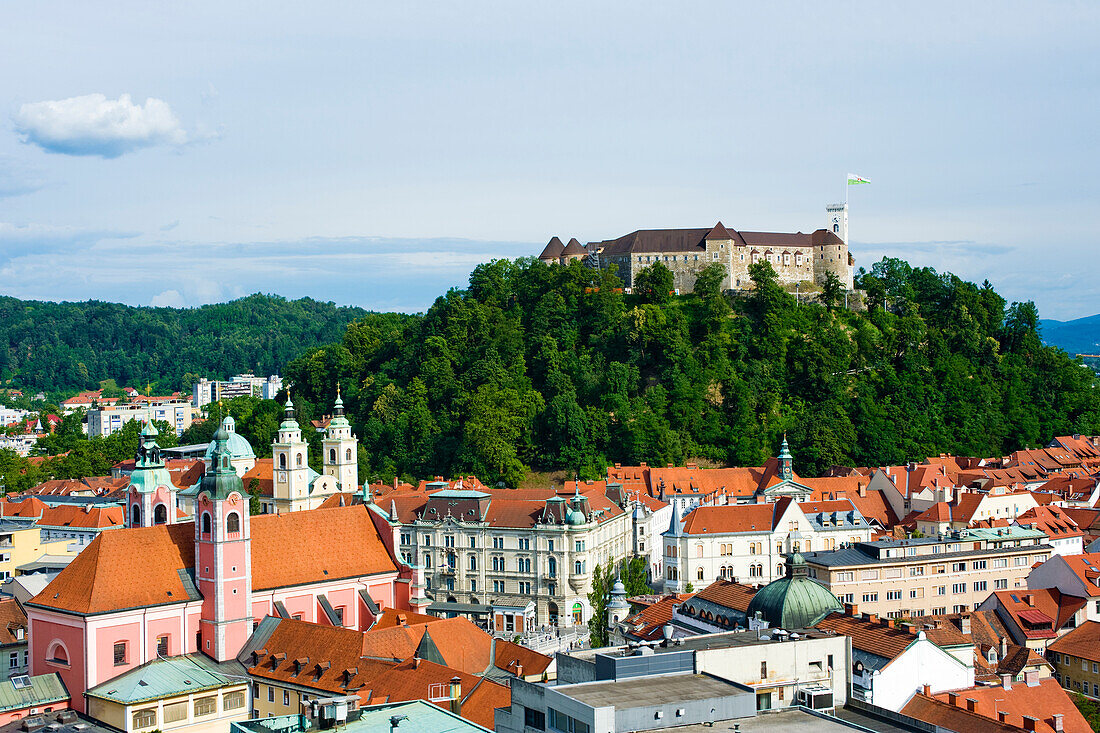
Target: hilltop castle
<point>795,257</point>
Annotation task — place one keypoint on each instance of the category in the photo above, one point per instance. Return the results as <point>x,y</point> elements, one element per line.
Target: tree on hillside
<point>654,284</point>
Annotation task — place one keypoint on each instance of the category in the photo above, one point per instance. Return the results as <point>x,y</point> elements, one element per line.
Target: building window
<point>206,523</point>
<point>524,588</point>
<point>473,562</point>
<point>286,698</point>
<point>233,523</point>
<point>552,567</point>
<point>233,700</point>
<point>339,613</point>
<point>145,718</point>
<point>162,646</point>
<point>498,586</point>
<point>160,514</point>
<point>298,460</point>
<point>207,705</point>
<point>578,567</point>
<point>270,693</point>
<point>175,712</point>
<point>699,573</point>
<point>120,653</point>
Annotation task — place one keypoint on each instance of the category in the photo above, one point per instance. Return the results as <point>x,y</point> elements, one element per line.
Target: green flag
<point>854,180</point>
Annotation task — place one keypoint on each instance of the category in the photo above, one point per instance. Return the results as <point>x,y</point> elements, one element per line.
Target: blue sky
<point>373,153</point>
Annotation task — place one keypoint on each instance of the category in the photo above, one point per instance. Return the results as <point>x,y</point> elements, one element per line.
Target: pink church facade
<point>169,589</point>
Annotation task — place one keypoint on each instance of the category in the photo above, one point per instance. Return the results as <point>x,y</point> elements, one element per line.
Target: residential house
<point>22,697</point>
<point>1076,659</point>
<point>1038,705</point>
<point>1062,532</point>
<point>1073,575</point>
<point>14,658</point>
<point>1036,617</point>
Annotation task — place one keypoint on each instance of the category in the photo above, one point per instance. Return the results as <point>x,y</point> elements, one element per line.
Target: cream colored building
<point>21,543</point>
<point>188,693</point>
<point>939,575</point>
<point>109,419</point>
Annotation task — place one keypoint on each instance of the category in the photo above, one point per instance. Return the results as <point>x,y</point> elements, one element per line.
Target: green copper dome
<point>150,472</point>
<point>238,447</point>
<point>795,601</point>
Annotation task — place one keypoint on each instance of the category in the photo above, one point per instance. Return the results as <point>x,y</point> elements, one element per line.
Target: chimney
<point>1029,599</point>
<point>862,488</point>
<point>953,699</point>
<point>1056,722</point>
<point>1029,722</point>
<point>1004,650</point>
<point>927,690</point>
<point>1002,716</point>
<point>971,704</point>
<point>851,609</point>
<point>1031,678</point>
<point>964,625</point>
<point>519,671</point>
<point>1006,681</point>
<point>872,618</point>
<point>456,695</point>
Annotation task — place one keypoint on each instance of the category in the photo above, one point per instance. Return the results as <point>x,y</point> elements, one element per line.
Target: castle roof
<point>692,240</point>
<point>573,248</point>
<point>553,249</point>
<point>293,549</point>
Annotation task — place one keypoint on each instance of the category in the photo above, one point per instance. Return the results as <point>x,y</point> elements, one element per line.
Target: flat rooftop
<point>785,721</point>
<point>645,691</point>
<point>724,640</point>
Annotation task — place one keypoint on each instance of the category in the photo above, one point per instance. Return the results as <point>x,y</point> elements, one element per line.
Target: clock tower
<point>837,220</point>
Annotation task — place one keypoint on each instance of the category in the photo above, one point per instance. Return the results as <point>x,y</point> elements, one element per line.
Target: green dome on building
<point>795,601</point>
<point>238,447</point>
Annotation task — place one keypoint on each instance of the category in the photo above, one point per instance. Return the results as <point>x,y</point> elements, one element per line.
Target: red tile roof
<point>1040,613</point>
<point>729,519</point>
<point>951,717</point>
<point>1084,642</point>
<point>12,620</point>
<point>647,623</point>
<point>287,549</point>
<point>419,679</point>
<point>1040,701</point>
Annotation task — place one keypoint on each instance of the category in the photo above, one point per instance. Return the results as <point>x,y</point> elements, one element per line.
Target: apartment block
<point>951,573</point>
<point>109,419</point>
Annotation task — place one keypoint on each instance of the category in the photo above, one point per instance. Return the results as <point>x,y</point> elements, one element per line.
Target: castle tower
<point>786,462</point>
<point>223,557</point>
<point>151,495</point>
<point>339,449</point>
<point>837,220</point>
<point>290,471</point>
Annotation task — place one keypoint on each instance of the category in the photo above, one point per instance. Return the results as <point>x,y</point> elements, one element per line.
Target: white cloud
<point>168,299</point>
<point>95,125</point>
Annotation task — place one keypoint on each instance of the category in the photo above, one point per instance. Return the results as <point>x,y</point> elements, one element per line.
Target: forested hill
<point>552,367</point>
<point>58,346</point>
<point>1080,336</point>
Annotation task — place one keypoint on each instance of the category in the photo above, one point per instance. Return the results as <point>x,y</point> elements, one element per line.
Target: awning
<point>1036,617</point>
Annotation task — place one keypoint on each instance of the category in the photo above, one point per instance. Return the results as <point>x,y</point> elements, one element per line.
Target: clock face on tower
<point>836,219</point>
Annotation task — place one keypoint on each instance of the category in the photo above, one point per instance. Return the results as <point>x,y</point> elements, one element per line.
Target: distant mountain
<point>1079,336</point>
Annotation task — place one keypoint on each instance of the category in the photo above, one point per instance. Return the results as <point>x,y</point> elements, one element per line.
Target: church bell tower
<point>290,471</point>
<point>340,449</point>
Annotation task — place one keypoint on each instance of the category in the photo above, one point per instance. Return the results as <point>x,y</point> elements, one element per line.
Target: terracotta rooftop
<point>287,549</point>
<point>1040,701</point>
<point>1084,642</point>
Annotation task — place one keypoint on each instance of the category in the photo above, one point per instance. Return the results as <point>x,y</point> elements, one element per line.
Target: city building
<point>141,593</point>
<point>78,523</point>
<point>206,391</point>
<point>950,573</point>
<point>1033,618</point>
<point>13,638</point>
<point>187,693</point>
<point>748,542</point>
<point>1062,532</point>
<point>511,559</point>
<point>107,419</point>
<point>21,543</point>
<point>796,258</point>
<point>23,698</point>
<point>1076,659</point>
<point>1073,575</point>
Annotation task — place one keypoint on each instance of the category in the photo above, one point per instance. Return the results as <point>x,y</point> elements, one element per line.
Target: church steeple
<point>151,495</point>
<point>290,485</point>
<point>786,460</point>
<point>340,448</point>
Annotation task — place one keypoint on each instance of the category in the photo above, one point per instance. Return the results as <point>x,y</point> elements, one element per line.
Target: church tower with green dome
<point>290,471</point>
<point>223,556</point>
<point>340,449</point>
<point>795,601</point>
<point>151,495</point>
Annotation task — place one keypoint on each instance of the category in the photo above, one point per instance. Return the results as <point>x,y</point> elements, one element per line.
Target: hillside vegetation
<point>554,368</point>
<point>72,346</point>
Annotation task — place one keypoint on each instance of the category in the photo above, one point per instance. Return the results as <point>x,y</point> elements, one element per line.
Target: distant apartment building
<point>206,391</point>
<point>9,416</point>
<point>951,573</point>
<point>108,419</point>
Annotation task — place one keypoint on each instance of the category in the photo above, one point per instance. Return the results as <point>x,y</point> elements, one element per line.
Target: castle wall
<point>832,258</point>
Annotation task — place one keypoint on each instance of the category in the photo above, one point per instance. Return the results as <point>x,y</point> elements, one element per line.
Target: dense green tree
<point>654,284</point>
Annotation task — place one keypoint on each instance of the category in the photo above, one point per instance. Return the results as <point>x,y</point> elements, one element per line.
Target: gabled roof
<point>298,548</point>
<point>1084,642</point>
<point>1086,567</point>
<point>415,679</point>
<point>951,717</point>
<point>718,232</point>
<point>731,519</point>
<point>12,619</point>
<point>573,248</point>
<point>1040,613</point>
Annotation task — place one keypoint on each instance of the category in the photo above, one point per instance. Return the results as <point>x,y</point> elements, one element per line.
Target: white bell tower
<point>340,449</point>
<point>290,470</point>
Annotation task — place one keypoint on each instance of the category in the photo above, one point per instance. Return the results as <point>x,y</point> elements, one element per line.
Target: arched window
<point>332,455</point>
<point>160,514</point>
<point>473,562</point>
<point>206,522</point>
<point>282,460</point>
<point>699,573</point>
<point>57,653</point>
<point>808,542</point>
<point>135,515</point>
<point>233,523</point>
<point>298,460</point>
<point>698,550</point>
<point>347,454</point>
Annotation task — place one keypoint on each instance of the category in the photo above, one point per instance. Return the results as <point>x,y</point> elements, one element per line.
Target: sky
<point>373,153</point>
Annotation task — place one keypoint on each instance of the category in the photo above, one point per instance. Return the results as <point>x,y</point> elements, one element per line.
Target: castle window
<point>57,654</point>
<point>332,455</point>
<point>282,460</point>
<point>298,459</point>
<point>160,514</point>
<point>206,523</point>
<point>699,573</point>
<point>233,523</point>
<point>714,256</point>
<point>347,454</point>
<point>836,227</point>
